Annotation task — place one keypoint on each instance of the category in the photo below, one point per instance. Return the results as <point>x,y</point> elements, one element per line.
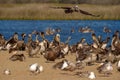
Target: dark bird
<point>105,68</point>
<point>106,30</point>
<point>68,10</point>
<point>16,57</point>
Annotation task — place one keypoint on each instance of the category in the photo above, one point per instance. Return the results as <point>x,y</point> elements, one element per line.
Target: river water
<point>8,27</point>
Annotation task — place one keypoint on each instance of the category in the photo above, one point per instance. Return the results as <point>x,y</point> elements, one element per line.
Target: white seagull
<point>91,75</point>
<point>35,68</point>
<point>7,72</point>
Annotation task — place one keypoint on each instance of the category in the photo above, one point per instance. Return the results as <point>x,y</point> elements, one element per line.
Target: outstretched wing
<point>62,7</point>
<point>87,13</point>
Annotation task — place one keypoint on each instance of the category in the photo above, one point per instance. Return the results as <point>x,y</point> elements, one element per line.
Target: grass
<point>44,12</point>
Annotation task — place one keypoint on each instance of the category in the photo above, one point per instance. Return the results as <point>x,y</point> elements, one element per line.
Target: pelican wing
<point>87,13</point>
<point>61,7</point>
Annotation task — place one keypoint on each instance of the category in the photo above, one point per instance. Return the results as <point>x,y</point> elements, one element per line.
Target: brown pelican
<point>90,75</point>
<point>105,68</point>
<point>96,42</point>
<point>86,30</point>
<point>43,45</point>
<point>19,57</point>
<point>49,31</point>
<point>68,10</point>
<point>2,42</point>
<point>19,44</point>
<point>12,41</point>
<point>106,29</point>
<point>51,54</point>
<point>42,34</point>
<point>115,44</point>
<point>65,65</point>
<point>104,43</point>
<point>81,43</point>
<point>72,30</point>
<point>56,40</point>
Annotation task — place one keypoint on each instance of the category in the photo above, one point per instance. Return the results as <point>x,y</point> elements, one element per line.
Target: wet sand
<point>20,70</point>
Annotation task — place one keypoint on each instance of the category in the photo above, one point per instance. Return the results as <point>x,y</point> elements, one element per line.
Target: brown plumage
<point>68,10</point>
<point>16,57</point>
<point>50,55</point>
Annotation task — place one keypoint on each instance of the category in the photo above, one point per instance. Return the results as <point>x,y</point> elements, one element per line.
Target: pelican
<point>96,42</point>
<point>68,10</point>
<point>106,29</point>
<point>90,75</point>
<point>65,65</point>
<point>105,68</point>
<point>57,39</point>
<point>16,57</point>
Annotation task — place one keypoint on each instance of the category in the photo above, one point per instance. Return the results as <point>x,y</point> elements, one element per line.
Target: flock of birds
<point>86,54</point>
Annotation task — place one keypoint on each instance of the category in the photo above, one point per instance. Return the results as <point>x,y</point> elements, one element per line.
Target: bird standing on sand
<point>64,65</point>
<point>35,68</point>
<point>7,72</point>
<point>105,68</point>
<point>91,75</point>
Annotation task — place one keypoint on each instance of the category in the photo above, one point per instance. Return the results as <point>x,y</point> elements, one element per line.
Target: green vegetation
<point>43,11</point>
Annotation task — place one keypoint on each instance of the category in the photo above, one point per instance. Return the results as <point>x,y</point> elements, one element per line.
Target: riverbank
<point>44,12</point>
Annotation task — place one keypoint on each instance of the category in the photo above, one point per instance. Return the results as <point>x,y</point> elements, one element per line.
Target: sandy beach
<point>20,70</point>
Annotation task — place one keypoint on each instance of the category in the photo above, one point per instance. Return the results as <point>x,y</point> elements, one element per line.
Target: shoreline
<point>64,19</point>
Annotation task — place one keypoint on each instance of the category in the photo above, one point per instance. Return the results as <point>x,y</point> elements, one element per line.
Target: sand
<point>20,70</point>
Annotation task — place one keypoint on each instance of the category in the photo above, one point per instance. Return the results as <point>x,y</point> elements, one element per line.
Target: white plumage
<point>118,65</point>
<point>7,72</point>
<point>41,68</point>
<point>35,68</point>
<point>65,65</point>
<point>92,75</point>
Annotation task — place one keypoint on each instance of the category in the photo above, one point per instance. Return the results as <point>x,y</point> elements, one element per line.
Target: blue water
<point>8,27</point>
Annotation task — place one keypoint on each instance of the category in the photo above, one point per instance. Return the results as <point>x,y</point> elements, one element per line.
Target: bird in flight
<point>68,10</point>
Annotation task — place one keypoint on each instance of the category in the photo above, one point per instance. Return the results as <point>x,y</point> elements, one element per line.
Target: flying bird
<point>68,10</point>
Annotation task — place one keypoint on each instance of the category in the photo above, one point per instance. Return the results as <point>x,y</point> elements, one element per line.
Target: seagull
<point>91,75</point>
<point>35,68</point>
<point>7,72</point>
